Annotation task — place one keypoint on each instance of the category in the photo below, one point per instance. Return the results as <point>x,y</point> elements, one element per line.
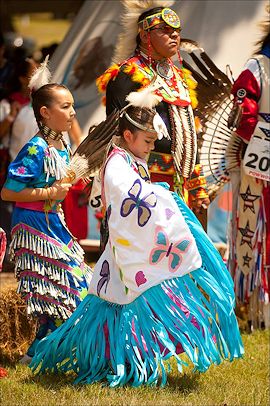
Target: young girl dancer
<point>48,260</point>
<point>159,288</point>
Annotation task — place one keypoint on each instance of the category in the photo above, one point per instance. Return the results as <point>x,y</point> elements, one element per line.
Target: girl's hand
<point>58,190</point>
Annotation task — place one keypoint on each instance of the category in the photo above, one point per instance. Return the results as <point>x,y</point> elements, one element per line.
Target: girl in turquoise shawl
<point>160,287</point>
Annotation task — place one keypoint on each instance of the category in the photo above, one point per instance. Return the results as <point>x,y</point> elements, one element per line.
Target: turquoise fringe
<point>141,335</point>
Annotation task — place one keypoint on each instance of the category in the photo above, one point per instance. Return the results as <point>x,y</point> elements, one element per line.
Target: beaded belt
<point>36,206</point>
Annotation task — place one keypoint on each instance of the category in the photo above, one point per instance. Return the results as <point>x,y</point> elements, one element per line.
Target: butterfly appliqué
<point>134,201</point>
<point>105,277</point>
<point>142,172</point>
<point>165,249</point>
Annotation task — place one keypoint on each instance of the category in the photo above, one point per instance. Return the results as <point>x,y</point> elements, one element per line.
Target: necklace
<point>49,133</point>
<point>164,69</point>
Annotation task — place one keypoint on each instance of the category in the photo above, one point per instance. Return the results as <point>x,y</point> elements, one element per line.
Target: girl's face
<point>60,114</point>
<point>140,143</point>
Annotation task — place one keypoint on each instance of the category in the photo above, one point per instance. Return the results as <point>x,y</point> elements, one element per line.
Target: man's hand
<point>198,204</point>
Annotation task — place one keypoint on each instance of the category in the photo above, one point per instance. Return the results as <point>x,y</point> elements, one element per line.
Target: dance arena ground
<point>244,382</point>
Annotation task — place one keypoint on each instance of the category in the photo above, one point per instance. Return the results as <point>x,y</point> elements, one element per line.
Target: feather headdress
<point>41,76</point>
<point>126,42</point>
<point>148,99</point>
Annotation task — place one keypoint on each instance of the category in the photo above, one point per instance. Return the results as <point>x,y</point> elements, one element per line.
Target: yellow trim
<point>137,75</point>
<point>195,183</point>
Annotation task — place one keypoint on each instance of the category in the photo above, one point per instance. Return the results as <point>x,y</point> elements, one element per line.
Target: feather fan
<point>91,152</point>
<point>132,9</point>
<point>78,169</point>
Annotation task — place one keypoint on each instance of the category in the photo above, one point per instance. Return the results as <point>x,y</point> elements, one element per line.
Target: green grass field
<point>244,382</point>
<point>42,28</point>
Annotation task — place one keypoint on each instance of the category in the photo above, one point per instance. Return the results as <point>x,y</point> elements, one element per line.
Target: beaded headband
<point>167,15</point>
<point>155,124</point>
<point>148,117</point>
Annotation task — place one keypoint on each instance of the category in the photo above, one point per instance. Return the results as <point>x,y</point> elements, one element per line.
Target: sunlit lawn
<point>41,28</point>
<point>244,382</point>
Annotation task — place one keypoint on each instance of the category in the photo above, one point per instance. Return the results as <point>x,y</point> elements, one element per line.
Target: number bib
<point>256,161</point>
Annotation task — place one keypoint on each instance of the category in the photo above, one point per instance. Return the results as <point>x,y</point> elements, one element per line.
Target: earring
<point>149,49</point>
<point>180,59</point>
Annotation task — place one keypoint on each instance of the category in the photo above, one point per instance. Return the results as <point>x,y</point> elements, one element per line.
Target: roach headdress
<point>132,10</point>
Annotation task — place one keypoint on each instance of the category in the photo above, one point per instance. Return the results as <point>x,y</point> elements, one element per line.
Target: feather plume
<point>160,127</point>
<point>126,42</point>
<point>93,148</point>
<point>145,97</point>
<point>41,76</point>
<point>189,45</point>
<point>213,86</point>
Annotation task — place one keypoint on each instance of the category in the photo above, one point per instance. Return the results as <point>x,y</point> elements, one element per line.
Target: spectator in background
<point>75,204</point>
<point>17,97</point>
<point>6,68</point>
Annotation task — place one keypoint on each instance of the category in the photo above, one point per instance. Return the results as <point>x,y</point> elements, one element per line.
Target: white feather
<point>190,46</point>
<point>41,76</point>
<point>144,98</point>
<point>160,127</point>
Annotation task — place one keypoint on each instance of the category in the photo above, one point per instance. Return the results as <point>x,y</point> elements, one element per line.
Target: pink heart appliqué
<point>140,278</point>
<point>169,213</point>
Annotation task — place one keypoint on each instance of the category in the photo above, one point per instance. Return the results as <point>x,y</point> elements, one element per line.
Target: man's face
<point>165,41</point>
